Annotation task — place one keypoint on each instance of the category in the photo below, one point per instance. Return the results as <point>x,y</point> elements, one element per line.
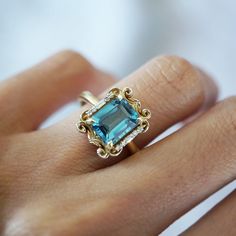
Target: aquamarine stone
<point>114,120</point>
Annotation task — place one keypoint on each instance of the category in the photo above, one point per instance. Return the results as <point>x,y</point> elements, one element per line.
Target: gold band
<point>87,97</point>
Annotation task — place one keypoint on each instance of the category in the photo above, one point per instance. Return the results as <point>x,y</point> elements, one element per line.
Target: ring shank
<point>87,97</point>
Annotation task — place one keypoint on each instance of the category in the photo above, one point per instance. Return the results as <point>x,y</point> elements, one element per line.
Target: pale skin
<point>53,183</point>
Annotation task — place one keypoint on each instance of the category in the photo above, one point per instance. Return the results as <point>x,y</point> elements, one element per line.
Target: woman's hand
<point>53,183</point>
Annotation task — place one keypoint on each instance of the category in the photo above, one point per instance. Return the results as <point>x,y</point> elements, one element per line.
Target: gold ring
<point>113,122</point>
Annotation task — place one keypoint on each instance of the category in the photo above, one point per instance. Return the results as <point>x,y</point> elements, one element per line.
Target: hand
<point>53,183</point>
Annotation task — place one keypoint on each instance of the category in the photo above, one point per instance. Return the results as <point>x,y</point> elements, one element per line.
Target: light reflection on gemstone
<point>114,120</point>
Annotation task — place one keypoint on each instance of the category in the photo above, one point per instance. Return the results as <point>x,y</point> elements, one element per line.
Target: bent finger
<point>29,98</point>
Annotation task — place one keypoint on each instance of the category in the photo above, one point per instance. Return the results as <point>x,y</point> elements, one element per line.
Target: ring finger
<point>169,86</point>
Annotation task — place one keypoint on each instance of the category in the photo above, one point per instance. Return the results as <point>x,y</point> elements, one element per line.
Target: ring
<point>113,122</point>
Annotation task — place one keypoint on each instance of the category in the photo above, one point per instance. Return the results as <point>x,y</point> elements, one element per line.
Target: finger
<point>30,97</point>
<point>173,89</point>
<point>168,178</point>
<point>212,95</point>
<point>169,86</point>
<point>219,221</point>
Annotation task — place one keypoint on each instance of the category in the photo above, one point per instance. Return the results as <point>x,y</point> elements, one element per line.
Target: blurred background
<point>119,36</point>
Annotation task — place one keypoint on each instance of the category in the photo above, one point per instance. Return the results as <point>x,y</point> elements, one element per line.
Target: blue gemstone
<point>114,120</point>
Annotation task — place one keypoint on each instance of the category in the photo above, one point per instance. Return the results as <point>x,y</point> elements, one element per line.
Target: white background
<point>119,36</point>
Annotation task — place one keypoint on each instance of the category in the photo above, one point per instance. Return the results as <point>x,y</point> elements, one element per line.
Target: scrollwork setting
<point>85,123</point>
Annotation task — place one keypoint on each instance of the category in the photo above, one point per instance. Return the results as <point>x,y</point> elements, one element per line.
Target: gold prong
<point>84,116</point>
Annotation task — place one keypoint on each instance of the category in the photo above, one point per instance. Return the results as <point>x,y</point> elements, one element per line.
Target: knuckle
<point>72,61</point>
<point>70,55</point>
<point>175,68</point>
<point>180,76</point>
<point>182,63</point>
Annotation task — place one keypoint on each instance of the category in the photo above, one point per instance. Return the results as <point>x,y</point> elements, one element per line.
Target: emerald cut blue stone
<point>115,120</point>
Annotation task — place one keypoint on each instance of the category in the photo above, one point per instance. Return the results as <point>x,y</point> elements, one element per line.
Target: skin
<point>53,183</point>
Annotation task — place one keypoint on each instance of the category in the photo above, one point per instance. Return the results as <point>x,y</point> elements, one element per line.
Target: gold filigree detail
<point>102,152</point>
<point>146,113</point>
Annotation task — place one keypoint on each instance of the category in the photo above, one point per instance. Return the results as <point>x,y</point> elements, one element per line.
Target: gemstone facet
<point>114,120</point>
